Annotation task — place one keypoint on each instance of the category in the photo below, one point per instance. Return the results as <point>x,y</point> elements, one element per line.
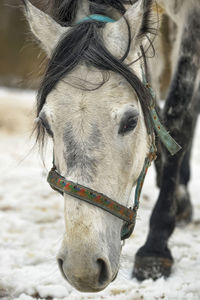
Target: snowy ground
<point>31,220</point>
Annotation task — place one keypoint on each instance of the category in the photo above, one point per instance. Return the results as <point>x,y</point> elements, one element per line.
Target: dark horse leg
<point>154,259</point>
<point>184,209</point>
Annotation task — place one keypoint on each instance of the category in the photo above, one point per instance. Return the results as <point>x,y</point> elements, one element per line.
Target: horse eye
<point>128,124</point>
<point>45,124</point>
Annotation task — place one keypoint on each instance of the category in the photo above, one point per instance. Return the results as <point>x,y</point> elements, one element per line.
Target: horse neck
<point>179,9</point>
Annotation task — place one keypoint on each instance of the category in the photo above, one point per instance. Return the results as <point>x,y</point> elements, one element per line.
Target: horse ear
<point>136,19</point>
<point>45,29</point>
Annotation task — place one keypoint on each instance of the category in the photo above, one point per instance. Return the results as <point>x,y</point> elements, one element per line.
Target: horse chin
<point>92,289</point>
<point>91,276</point>
<point>86,286</point>
<point>81,286</point>
<point>86,289</point>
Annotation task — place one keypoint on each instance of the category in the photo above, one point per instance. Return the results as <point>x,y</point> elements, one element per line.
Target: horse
<point>180,114</point>
<point>96,104</point>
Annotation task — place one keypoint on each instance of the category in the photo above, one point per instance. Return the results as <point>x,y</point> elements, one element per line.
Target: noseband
<point>128,215</point>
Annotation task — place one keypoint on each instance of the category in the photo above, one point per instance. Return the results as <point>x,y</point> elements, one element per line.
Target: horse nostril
<point>60,264</point>
<point>103,275</point>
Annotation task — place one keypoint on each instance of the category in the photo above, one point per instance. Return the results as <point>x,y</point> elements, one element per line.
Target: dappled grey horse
<point>96,104</point>
<point>180,115</point>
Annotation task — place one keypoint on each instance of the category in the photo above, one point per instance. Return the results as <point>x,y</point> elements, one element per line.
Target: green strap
<point>98,18</point>
<point>172,146</point>
<point>151,157</point>
<point>128,228</point>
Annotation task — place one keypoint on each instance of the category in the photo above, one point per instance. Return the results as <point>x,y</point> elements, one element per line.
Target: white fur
<point>92,233</point>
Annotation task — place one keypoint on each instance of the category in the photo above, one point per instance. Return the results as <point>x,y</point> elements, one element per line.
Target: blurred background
<point>22,64</point>
<point>21,61</point>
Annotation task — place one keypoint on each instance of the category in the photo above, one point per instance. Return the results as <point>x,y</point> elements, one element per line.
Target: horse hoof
<point>151,267</point>
<point>184,212</point>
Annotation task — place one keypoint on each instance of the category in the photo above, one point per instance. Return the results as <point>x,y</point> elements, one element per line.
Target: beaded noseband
<point>128,215</point>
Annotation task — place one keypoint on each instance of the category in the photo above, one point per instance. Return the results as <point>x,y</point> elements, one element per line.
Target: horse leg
<point>184,210</point>
<point>184,206</point>
<point>154,259</point>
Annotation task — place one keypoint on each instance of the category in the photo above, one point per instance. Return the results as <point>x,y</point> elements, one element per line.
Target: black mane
<point>84,44</point>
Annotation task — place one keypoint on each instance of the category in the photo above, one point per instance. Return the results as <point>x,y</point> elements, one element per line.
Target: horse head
<point>91,103</point>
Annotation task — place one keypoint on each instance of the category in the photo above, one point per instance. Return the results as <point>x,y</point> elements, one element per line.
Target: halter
<point>128,215</point>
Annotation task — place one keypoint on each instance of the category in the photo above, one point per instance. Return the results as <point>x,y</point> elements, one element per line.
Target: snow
<point>32,224</point>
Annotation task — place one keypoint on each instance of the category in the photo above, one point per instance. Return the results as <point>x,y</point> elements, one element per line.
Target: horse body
<point>100,135</point>
<point>180,114</point>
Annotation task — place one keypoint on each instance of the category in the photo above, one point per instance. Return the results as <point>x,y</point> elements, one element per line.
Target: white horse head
<point>98,130</point>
